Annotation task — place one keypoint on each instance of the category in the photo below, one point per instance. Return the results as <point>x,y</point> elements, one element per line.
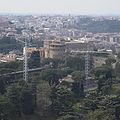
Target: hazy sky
<point>99,7</point>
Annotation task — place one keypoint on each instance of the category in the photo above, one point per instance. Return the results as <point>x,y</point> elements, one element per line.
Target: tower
<point>87,67</point>
<point>25,74</point>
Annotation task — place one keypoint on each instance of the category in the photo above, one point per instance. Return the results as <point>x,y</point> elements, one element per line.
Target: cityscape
<point>61,65</point>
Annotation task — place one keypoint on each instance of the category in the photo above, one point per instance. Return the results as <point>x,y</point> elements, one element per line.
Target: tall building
<point>54,49</point>
<point>57,50</point>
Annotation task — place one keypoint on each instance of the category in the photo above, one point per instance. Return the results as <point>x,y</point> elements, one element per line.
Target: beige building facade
<point>54,49</point>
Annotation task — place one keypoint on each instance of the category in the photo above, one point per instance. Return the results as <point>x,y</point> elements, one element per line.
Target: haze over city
<point>86,7</point>
<point>59,60</point>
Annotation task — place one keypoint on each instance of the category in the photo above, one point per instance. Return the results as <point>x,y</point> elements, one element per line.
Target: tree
<point>2,87</point>
<point>34,60</point>
<point>76,63</point>
<point>10,67</point>
<point>104,75</point>
<point>117,69</point>
<point>55,63</point>
<point>118,55</point>
<point>6,109</point>
<point>117,112</point>
<point>27,101</point>
<point>62,99</point>
<point>14,96</point>
<point>69,117</point>
<point>43,97</point>
<point>99,114</point>
<point>110,61</point>
<point>8,44</point>
<point>50,75</point>
<point>78,87</point>
<point>53,75</point>
<point>22,98</point>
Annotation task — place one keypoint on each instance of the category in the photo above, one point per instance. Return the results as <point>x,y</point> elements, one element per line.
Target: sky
<point>81,7</point>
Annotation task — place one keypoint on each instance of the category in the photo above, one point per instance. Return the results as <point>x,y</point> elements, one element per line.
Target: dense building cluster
<point>54,36</point>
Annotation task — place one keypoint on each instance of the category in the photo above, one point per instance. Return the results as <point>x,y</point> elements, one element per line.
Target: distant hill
<point>101,26</point>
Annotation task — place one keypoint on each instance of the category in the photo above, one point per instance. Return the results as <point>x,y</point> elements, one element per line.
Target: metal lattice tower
<point>25,75</point>
<point>87,66</point>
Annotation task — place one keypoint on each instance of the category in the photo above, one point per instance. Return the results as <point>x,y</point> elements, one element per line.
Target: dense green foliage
<point>110,61</point>
<point>62,99</point>
<point>53,62</point>
<point>53,99</point>
<point>6,109</point>
<point>76,63</point>
<point>34,61</point>
<point>53,75</point>
<point>11,67</point>
<point>8,44</point>
<point>117,70</point>
<point>16,101</point>
<point>78,87</point>
<point>104,75</point>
